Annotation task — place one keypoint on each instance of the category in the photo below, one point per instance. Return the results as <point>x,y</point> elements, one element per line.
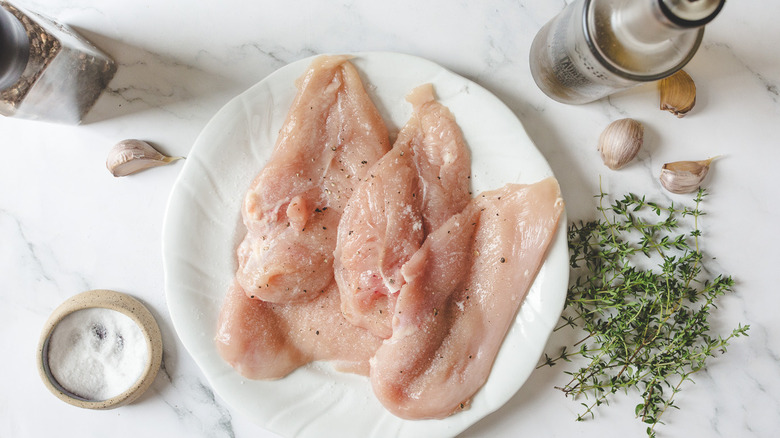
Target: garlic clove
<point>131,156</point>
<point>678,93</point>
<point>620,142</point>
<point>684,176</point>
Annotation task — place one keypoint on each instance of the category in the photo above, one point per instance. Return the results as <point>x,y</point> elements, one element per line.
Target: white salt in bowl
<point>111,300</point>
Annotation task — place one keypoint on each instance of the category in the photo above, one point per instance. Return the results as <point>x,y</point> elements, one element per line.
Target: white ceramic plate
<point>202,229</point>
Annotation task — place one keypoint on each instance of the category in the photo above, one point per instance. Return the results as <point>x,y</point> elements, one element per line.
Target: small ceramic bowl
<point>119,302</point>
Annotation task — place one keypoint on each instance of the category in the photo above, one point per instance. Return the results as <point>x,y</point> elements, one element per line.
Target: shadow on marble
<point>170,358</point>
<point>146,80</point>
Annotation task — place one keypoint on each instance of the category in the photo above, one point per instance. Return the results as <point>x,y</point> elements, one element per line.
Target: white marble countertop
<point>67,225</point>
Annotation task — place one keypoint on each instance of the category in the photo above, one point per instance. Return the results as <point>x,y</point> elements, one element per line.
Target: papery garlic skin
<point>684,176</point>
<point>131,156</point>
<point>678,93</point>
<point>620,142</point>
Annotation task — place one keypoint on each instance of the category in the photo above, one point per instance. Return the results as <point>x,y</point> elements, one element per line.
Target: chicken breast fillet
<point>463,289</point>
<point>332,135</point>
<point>264,340</point>
<point>283,309</point>
<point>408,193</point>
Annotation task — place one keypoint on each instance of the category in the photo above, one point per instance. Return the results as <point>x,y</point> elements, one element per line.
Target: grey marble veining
<point>66,225</point>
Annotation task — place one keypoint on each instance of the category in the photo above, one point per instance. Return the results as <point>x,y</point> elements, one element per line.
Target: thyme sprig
<point>642,298</point>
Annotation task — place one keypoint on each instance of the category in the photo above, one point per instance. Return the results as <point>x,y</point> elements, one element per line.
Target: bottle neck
<point>655,21</point>
<point>14,49</point>
<point>636,39</point>
<point>690,13</point>
<point>644,22</point>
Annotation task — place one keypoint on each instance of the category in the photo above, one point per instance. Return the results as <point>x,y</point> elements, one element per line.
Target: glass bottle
<point>594,48</point>
<point>47,71</point>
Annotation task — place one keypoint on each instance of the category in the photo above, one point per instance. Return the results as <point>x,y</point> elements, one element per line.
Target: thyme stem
<point>645,328</point>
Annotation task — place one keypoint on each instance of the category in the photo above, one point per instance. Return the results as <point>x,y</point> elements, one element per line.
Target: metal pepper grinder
<point>47,71</point>
<point>594,48</point>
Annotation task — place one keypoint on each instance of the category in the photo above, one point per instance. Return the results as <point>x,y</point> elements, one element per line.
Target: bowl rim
<point>112,300</point>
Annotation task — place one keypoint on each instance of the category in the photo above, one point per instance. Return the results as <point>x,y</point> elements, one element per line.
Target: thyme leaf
<point>641,298</point>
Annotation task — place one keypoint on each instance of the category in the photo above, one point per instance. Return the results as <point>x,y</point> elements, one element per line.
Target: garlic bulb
<point>620,142</point>
<point>678,93</point>
<point>131,156</point>
<point>684,176</point>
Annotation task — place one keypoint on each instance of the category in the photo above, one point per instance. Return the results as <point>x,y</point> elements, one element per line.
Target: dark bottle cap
<point>691,13</point>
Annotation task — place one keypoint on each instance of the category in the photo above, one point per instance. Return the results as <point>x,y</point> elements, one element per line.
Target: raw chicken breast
<point>263,340</point>
<point>440,156</point>
<point>380,230</point>
<point>463,288</point>
<point>410,191</point>
<point>332,135</point>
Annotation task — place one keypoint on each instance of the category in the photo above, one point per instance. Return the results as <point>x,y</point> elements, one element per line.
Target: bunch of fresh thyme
<point>643,300</point>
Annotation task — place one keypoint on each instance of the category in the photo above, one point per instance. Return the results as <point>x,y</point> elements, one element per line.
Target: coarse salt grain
<point>97,353</point>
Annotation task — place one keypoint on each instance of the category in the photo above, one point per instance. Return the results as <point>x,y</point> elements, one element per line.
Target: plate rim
<point>558,242</point>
